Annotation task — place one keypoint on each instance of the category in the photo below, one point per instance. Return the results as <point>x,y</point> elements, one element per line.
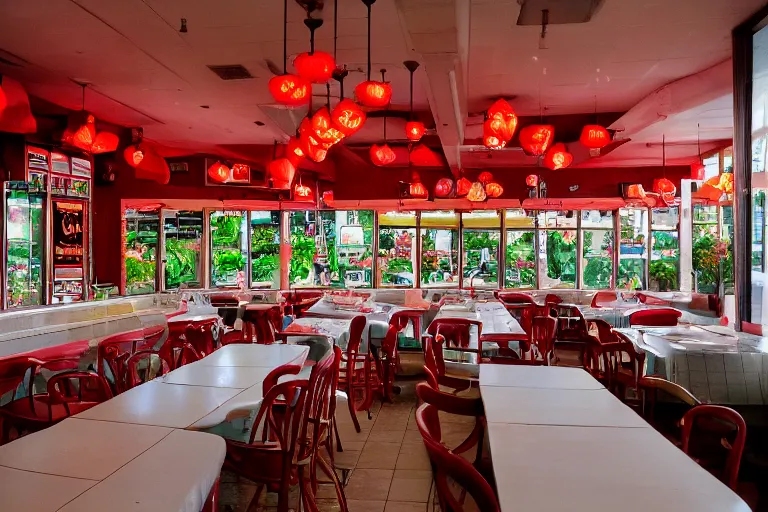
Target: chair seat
<point>260,462</point>
<point>38,413</point>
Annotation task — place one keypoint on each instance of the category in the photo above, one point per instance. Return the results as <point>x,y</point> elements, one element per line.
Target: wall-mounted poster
<point>68,221</point>
<point>59,163</point>
<point>81,167</point>
<point>38,159</point>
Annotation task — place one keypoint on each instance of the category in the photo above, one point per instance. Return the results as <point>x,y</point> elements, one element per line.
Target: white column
<point>686,237</point>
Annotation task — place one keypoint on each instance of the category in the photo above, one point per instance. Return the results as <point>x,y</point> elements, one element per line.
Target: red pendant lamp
<point>219,172</point>
<point>463,186</point>
<point>133,155</point>
<point>595,136</point>
<point>294,151</point>
<point>382,155</point>
<point>312,147</point>
<point>485,177</point>
<point>503,120</point>
<point>662,186</point>
<point>493,189</point>
<point>3,99</point>
<point>491,140</point>
<point>476,192</point>
<point>698,171</point>
<point>532,181</point>
<point>536,138</point>
<point>422,156</point>
<point>241,172</point>
<point>371,93</point>
<point>281,172</point>
<point>16,116</point>
<point>557,157</point>
<point>81,133</point>
<point>302,192</point>
<point>348,117</point>
<point>324,128</point>
<point>314,66</point>
<point>417,189</point>
<point>105,142</point>
<point>443,187</point>
<point>287,89</point>
<point>414,130</point>
<point>153,167</point>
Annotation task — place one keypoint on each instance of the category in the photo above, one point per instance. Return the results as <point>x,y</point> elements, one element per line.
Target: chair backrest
<point>13,370</point>
<point>652,301</point>
<point>201,338</point>
<point>77,388</point>
<point>605,332</point>
<point>450,404</point>
<point>671,399</point>
<point>389,344</point>
<point>622,356</point>
<point>273,377</point>
<point>543,330</point>
<point>514,299</point>
<point>451,468</point>
<point>724,416</point>
<point>320,405</point>
<point>434,364</point>
<point>661,317</point>
<point>181,352</point>
<point>143,366</point>
<point>356,329</point>
<point>552,299</point>
<point>280,417</point>
<point>603,297</point>
<point>456,331</point>
<point>111,356</point>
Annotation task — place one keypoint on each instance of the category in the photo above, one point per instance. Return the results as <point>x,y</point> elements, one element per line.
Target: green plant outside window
<point>440,258</point>
<point>521,260</point>
<point>481,258</point>
<point>560,259</point>
<point>265,249</point>
<point>597,259</point>
<point>228,246</point>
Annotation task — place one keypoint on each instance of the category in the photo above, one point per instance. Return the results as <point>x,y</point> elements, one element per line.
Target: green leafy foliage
<point>225,230</point>
<point>139,272</point>
<point>664,272</point>
<point>263,267</point>
<point>302,256</point>
<point>561,257</point>
<point>597,273</point>
<point>180,264</point>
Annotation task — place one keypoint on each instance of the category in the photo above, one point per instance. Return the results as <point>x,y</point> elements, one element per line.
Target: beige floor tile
<point>414,488</point>
<point>346,459</point>
<point>369,484</point>
<point>413,456</point>
<point>379,455</point>
<point>352,445</point>
<point>405,506</point>
<point>365,506</point>
<point>412,436</point>
<point>328,505</point>
<point>386,436</point>
<point>413,473</point>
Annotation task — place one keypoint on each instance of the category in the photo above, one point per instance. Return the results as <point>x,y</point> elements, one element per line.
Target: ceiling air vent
<point>231,72</point>
<point>560,12</point>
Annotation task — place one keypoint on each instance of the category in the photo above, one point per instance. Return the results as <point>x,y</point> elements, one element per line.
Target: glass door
<point>481,232</point>
<point>397,250</point>
<point>349,235</point>
<point>664,269</point>
<point>439,249</point>
<point>265,249</point>
<point>142,229</point>
<point>182,263</point>
<point>706,241</point>
<point>597,245</point>
<point>557,249</point>
<point>633,249</point>
<point>520,250</point>
<point>24,236</point>
<point>229,248</point>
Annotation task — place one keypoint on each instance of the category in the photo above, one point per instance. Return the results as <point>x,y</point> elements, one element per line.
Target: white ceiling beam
<point>439,31</point>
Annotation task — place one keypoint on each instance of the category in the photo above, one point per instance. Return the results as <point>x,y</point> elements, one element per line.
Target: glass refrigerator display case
<point>397,250</point>
<point>439,249</point>
<point>182,241</point>
<point>557,249</point>
<point>597,241</point>
<point>142,231</point>
<point>229,248</point>
<point>664,269</point>
<point>69,228</point>
<point>265,249</point>
<point>520,249</point>
<point>481,232</point>
<point>24,230</point>
<point>633,249</point>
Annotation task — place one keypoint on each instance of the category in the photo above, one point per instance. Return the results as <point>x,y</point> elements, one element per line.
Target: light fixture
<point>557,157</point>
<point>490,139</point>
<point>370,92</point>
<point>382,155</point>
<point>281,173</point>
<point>312,147</point>
<point>294,151</point>
<point>494,189</point>
<point>501,121</point>
<point>485,177</point>
<point>414,130</point>
<point>314,66</point>
<point>532,181</point>
<point>219,172</point>
<point>288,89</point>
<point>476,192</point>
<point>302,192</point>
<point>443,187</point>
<point>536,138</point>
<point>81,132</point>
<point>595,136</point>
<point>417,189</point>
<point>463,186</point>
<point>348,117</point>
<point>662,186</point>
<point>133,155</point>
<point>324,128</point>
<point>698,170</point>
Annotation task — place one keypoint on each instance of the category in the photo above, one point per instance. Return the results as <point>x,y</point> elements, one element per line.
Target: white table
<point>38,492</point>
<point>494,316</point>
<point>582,469</point>
<point>547,377</point>
<point>270,356</point>
<point>539,406</point>
<point>198,374</point>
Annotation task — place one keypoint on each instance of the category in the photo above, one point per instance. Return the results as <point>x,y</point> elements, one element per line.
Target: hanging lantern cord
<point>368,4</point>
<point>285,37</point>
<point>698,142</point>
<point>335,26</point>
<point>328,95</point>
<point>411,66</point>
<point>274,151</point>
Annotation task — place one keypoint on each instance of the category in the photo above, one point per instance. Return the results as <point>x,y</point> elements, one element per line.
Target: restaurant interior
<point>360,255</point>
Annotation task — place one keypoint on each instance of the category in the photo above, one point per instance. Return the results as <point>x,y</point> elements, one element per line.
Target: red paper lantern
<point>491,139</point>
<point>326,133</point>
<point>414,130</point>
<point>536,138</point>
<point>493,189</point>
<point>697,171</point>
<point>281,173</point>
<point>463,186</point>
<point>105,142</point>
<point>476,192</point>
<point>316,67</point>
<point>635,191</point>
<point>348,117</point>
<point>532,180</point>
<point>81,136</point>
<point>418,190</point>
<point>664,186</point>
<point>328,198</point>
<point>503,120</point>
<point>153,167</point>
<point>373,94</point>
<point>290,90</point>
<point>382,155</point>
<point>17,116</point>
<point>443,187</point>
<point>241,172</point>
<point>485,177</point>
<point>133,156</point>
<point>312,147</point>
<point>302,192</point>
<point>557,157</point>
<point>422,156</point>
<point>219,172</point>
<point>294,152</point>
<point>595,136</point>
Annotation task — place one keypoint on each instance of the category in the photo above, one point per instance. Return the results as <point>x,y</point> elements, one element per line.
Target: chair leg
<point>340,496</point>
<point>338,438</point>
<point>351,405</point>
<point>254,504</point>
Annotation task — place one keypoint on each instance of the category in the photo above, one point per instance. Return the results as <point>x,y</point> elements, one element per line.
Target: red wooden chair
<point>732,443</point>
<point>619,366</point>
<point>661,317</point>
<point>456,332</point>
<point>434,366</point>
<point>514,301</point>
<point>605,332</point>
<point>387,362</point>
<point>357,372</point>
<point>664,404</point>
<point>460,406</point>
<point>181,352</point>
<point>603,297</point>
<point>270,461</point>
<point>298,301</point>
<point>543,329</point>
<point>451,470</point>
<point>201,338</point>
<point>652,301</point>
<point>111,356</point>
<point>77,390</point>
<point>143,366</point>
<point>552,300</point>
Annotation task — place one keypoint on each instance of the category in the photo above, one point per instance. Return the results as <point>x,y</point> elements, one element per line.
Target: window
<point>481,234</point>
<point>597,243</point>
<point>229,248</point>
<point>520,255</point>
<point>557,249</point>
<point>397,249</point>
<point>665,249</point>
<point>265,249</point>
<point>310,266</point>
<point>439,249</point>
<point>349,235</point>
<point>183,232</point>
<point>633,249</point>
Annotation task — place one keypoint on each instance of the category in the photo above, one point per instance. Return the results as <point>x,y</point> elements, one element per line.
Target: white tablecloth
<point>494,316</point>
<point>546,377</point>
<point>270,356</point>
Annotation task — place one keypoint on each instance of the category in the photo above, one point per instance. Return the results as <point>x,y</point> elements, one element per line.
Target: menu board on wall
<point>68,221</point>
<point>38,159</point>
<point>59,163</point>
<point>81,167</point>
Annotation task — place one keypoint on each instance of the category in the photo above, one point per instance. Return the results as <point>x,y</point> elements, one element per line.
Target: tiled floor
<point>390,470</point>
